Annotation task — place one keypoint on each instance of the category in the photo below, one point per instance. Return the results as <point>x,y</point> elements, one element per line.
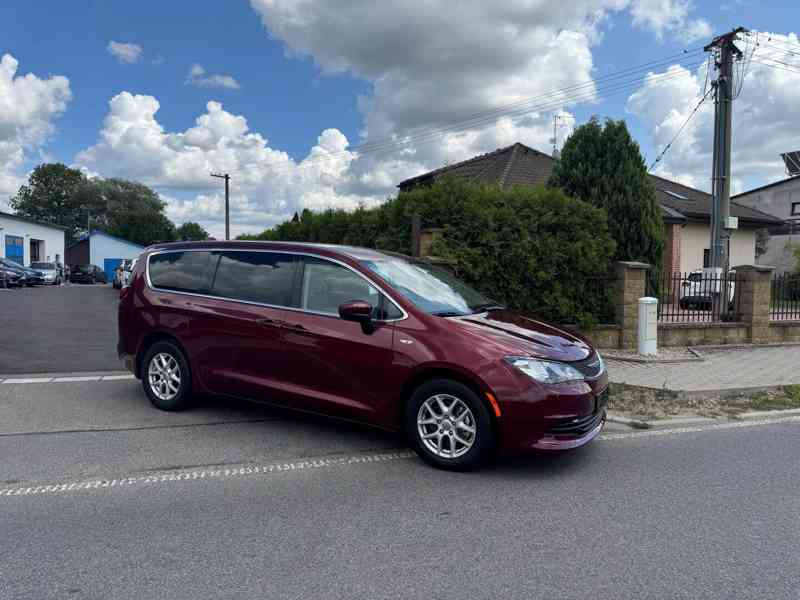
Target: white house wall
<point>102,247</point>
<point>52,239</point>
<point>696,237</point>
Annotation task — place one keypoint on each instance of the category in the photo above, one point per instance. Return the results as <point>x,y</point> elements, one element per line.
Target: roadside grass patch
<point>660,403</point>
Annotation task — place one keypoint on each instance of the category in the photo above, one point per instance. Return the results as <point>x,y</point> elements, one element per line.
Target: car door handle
<point>294,326</point>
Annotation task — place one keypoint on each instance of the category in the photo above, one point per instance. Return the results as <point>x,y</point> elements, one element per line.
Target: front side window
<point>432,289</point>
<point>326,285</point>
<point>180,271</point>
<point>263,277</point>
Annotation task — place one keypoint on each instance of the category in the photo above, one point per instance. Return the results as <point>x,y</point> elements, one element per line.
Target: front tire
<point>166,378</point>
<point>449,426</point>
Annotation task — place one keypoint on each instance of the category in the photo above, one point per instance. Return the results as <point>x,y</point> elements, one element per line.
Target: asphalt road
<point>48,329</point>
<point>232,500</point>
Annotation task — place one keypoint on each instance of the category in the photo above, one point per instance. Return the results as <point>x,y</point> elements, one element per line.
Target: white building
<point>782,200</point>
<point>103,250</point>
<point>25,240</point>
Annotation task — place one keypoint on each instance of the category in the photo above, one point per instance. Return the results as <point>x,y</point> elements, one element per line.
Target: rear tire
<point>449,426</point>
<point>166,378</point>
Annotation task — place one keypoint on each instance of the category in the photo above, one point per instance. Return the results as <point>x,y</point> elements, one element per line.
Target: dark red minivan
<point>358,334</point>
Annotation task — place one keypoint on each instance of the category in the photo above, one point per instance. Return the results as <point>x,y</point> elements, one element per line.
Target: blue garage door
<point>109,264</point>
<point>15,249</point>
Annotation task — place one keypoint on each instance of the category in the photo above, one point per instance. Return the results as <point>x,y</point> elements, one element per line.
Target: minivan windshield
<point>431,288</point>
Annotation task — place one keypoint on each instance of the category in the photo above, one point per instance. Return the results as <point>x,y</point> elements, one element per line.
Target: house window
<point>796,209</point>
<point>706,258</point>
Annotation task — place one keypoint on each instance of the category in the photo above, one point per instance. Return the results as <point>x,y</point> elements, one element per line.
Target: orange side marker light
<point>493,402</point>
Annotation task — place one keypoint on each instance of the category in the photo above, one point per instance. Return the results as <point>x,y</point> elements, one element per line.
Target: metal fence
<point>784,302</point>
<point>696,297</point>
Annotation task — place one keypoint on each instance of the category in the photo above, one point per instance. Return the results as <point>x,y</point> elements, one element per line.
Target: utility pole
<point>725,51</point>
<point>227,179</point>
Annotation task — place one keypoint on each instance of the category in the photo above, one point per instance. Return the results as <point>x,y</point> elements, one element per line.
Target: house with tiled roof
<point>686,211</point>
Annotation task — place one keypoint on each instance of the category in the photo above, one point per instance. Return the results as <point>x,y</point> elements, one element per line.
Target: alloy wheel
<point>446,426</point>
<point>164,376</point>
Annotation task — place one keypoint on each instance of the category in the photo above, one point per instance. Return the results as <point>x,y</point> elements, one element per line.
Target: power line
<point>433,134</point>
<point>685,123</point>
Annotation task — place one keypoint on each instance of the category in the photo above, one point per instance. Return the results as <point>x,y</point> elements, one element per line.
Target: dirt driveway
<point>58,329</point>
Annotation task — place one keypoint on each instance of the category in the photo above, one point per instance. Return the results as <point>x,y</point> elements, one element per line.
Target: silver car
<point>49,270</point>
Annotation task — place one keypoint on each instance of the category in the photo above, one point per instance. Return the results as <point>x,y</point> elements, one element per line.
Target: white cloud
<point>765,119</point>
<point>267,185</point>
<point>28,107</point>
<point>427,66</point>
<point>430,66</point>
<point>669,16</point>
<point>125,53</point>
<point>198,78</point>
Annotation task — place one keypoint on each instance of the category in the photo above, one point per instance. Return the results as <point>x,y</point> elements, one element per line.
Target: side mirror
<point>357,311</point>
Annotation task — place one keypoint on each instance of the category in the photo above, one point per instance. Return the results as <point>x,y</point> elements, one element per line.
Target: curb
<point>670,422</point>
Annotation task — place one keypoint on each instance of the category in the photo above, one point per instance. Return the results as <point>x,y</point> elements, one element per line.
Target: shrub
<point>530,247</point>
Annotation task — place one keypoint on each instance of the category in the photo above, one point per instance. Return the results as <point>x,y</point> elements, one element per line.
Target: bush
<point>602,165</point>
<point>530,247</point>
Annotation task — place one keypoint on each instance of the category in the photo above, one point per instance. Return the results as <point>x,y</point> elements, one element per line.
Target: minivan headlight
<point>545,371</point>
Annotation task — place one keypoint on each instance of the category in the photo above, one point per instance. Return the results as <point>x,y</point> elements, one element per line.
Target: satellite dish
<point>792,162</point>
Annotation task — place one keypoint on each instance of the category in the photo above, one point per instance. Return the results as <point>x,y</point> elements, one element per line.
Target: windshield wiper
<point>447,313</point>
<point>488,306</point>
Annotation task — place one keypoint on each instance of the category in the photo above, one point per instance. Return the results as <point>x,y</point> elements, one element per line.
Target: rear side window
<point>181,271</point>
<point>263,277</point>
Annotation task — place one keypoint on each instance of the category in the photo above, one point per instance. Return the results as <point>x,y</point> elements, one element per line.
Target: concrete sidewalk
<point>721,370</point>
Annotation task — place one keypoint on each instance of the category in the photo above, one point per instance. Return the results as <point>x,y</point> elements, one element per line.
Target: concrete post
<point>630,286</point>
<point>754,299</point>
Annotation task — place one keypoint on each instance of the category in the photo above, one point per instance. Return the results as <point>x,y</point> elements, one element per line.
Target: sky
<point>317,104</point>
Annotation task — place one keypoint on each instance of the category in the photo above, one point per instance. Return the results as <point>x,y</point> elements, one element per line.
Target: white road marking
<point>206,473</point>
<point>28,380</point>
<point>162,477</point>
<point>65,379</point>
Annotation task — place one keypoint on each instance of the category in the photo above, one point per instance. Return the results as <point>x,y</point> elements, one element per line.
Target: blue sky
<point>304,68</point>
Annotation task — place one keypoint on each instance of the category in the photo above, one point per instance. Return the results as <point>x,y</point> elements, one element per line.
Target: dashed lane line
<point>64,379</point>
<point>206,473</point>
<point>165,477</point>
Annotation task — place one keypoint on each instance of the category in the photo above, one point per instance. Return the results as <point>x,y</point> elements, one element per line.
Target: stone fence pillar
<point>754,299</point>
<point>630,286</point>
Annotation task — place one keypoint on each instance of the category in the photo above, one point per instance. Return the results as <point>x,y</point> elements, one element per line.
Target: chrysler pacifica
<point>362,335</point>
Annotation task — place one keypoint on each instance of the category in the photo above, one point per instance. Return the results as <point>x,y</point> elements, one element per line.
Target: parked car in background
<point>87,274</point>
<point>30,277</point>
<point>699,289</point>
<point>50,272</point>
<point>11,279</point>
<point>12,276</point>
<point>362,335</point>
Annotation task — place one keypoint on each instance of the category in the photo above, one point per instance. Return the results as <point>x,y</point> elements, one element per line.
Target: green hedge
<point>530,247</point>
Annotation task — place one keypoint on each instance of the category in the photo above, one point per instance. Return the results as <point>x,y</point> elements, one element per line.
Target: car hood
<point>515,334</point>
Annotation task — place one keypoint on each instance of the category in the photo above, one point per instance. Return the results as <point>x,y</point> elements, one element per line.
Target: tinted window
<point>181,271</point>
<point>255,276</point>
<point>43,265</point>
<point>326,285</point>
